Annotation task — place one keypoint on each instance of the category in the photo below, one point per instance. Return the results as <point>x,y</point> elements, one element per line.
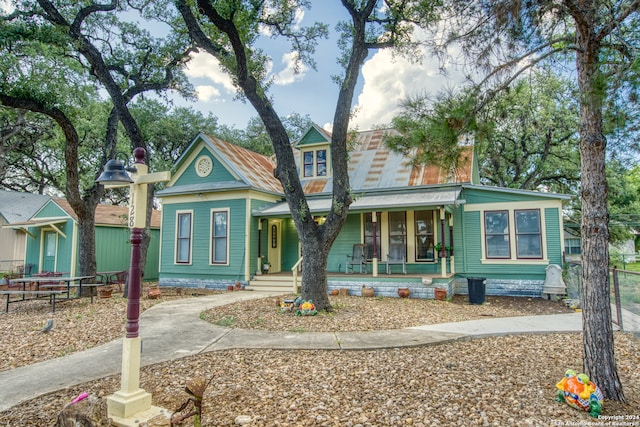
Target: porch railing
<point>296,267</point>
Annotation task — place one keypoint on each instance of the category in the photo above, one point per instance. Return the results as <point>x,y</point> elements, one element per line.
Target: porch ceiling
<point>370,202</point>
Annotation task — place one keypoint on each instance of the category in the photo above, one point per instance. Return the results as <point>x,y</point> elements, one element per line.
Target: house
<point>224,217</point>
<point>620,253</point>
<point>16,207</point>
<point>52,239</point>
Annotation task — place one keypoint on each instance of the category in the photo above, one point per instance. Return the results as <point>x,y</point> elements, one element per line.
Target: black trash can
<point>476,289</point>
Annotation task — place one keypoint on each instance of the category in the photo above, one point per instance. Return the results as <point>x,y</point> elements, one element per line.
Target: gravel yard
<point>497,381</point>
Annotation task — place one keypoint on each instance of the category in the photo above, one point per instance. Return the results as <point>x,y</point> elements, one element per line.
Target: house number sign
<point>274,236</point>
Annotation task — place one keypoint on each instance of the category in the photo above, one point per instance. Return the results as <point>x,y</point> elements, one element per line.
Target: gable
<point>314,136</point>
<point>210,164</point>
<point>193,170</point>
<point>52,210</point>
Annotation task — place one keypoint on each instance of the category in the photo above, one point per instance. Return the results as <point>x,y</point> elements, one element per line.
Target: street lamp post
<point>132,400</point>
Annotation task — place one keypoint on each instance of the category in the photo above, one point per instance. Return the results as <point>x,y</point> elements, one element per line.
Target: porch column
<point>452,258</point>
<point>443,250</point>
<point>259,269</point>
<point>374,266</point>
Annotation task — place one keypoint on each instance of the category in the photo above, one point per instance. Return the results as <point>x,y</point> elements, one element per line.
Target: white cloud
<point>389,81</point>
<point>6,6</point>
<point>289,75</point>
<point>205,93</point>
<point>203,65</point>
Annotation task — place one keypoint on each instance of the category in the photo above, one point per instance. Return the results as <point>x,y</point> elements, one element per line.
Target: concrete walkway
<point>173,329</point>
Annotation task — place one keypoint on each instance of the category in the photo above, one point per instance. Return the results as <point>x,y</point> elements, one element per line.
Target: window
<point>398,234</point>
<point>424,236</point>
<point>496,225</point>
<point>528,233</point>
<point>368,235</point>
<point>321,164</point>
<point>183,238</point>
<point>308,163</point>
<point>572,246</point>
<point>219,239</point>
<point>314,163</point>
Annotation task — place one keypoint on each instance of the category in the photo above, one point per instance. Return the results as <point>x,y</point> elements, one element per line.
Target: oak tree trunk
<point>598,344</point>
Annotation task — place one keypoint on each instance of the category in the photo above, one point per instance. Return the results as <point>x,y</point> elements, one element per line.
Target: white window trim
<point>175,246</point>
<point>511,207</point>
<point>211,228</point>
<point>315,162</point>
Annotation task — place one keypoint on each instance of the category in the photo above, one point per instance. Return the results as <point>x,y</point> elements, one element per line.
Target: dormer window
<point>314,163</point>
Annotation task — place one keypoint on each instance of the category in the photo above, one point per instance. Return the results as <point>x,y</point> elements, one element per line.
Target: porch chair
<point>120,278</point>
<point>396,256</point>
<point>358,258</point>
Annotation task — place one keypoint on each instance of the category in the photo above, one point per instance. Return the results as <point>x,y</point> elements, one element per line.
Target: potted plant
<point>105,292</point>
<point>442,253</point>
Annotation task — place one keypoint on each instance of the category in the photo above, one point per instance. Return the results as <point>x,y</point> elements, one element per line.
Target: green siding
<point>552,222</point>
<point>475,195</point>
<point>471,264</point>
<point>219,172</point>
<point>471,249</point>
<point>113,251</point>
<point>343,245</point>
<point>200,246</point>
<point>312,137</point>
<point>64,244</point>
<point>51,210</point>
<point>63,249</point>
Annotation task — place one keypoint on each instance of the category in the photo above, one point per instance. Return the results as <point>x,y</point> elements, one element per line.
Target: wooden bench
<point>35,294</point>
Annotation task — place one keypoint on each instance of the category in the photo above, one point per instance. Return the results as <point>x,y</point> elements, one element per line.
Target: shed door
<point>49,255</point>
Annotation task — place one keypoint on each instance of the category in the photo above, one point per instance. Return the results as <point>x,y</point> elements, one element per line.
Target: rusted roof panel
<point>109,214</point>
<point>315,186</point>
<point>373,166</point>
<point>254,168</point>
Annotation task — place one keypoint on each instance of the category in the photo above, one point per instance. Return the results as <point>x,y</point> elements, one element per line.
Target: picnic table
<point>50,293</point>
<point>117,277</point>
<point>52,283</point>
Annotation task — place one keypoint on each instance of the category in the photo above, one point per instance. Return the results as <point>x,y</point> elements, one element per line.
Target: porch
<point>420,285</point>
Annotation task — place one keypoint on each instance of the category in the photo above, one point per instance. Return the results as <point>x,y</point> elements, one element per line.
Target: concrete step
<point>272,283</point>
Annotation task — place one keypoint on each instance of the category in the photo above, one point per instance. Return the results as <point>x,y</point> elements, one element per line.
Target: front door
<point>273,254</point>
<point>49,251</point>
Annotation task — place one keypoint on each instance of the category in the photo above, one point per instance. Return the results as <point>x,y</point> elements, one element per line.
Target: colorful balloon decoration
<point>580,393</point>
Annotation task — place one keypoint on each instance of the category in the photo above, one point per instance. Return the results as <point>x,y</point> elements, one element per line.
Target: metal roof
<point>17,207</point>
<point>372,166</point>
<point>109,214</point>
<point>253,168</point>
<point>368,202</point>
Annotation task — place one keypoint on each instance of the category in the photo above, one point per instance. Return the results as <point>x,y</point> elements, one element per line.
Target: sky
<point>383,84</point>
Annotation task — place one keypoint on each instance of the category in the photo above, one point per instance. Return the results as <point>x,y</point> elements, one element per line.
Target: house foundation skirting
<point>191,283</point>
<point>504,287</point>
<point>389,288</point>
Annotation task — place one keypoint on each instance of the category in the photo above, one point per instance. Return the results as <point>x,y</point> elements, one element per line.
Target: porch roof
<point>45,222</point>
<point>377,201</point>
